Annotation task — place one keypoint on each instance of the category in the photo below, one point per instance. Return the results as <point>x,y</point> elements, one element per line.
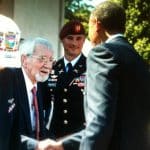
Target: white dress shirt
<point>73,62</point>
<point>29,87</point>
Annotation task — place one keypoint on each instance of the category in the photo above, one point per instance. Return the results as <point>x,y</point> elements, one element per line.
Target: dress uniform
<point>65,90</point>
<point>68,114</point>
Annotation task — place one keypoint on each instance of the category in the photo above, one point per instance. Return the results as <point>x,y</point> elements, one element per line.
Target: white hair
<point>27,47</point>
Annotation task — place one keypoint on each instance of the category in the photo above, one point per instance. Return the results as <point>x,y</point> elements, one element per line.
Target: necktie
<point>70,68</point>
<point>36,112</point>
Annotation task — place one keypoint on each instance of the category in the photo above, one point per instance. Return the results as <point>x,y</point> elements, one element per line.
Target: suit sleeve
<point>72,142</point>
<point>100,99</point>
<point>28,143</point>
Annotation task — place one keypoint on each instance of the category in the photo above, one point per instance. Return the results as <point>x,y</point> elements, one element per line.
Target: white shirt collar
<point>29,87</point>
<point>113,36</point>
<point>29,84</point>
<point>73,62</point>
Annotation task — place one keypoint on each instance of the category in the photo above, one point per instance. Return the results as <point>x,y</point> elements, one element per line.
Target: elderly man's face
<point>73,44</point>
<point>39,65</point>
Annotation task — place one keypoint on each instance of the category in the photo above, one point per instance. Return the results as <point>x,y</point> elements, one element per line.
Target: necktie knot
<point>34,91</point>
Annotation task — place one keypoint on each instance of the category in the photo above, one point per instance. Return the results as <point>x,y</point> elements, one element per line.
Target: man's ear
<point>98,25</point>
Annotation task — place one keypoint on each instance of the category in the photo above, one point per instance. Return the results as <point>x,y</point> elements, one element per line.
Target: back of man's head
<point>111,15</point>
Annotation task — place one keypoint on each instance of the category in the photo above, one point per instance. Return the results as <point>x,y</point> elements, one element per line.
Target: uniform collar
<point>73,62</point>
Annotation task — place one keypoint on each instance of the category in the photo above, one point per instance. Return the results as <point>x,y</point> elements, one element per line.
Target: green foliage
<point>143,47</point>
<point>78,9</point>
<point>138,27</point>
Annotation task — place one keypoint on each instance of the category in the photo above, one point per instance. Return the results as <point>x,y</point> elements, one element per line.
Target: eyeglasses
<point>43,59</point>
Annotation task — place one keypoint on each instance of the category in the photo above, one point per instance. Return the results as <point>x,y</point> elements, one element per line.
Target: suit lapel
<point>24,103</point>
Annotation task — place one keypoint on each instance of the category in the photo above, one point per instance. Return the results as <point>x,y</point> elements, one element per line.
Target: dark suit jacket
<point>68,114</point>
<point>9,119</point>
<point>117,100</point>
<point>16,89</point>
<point>26,128</point>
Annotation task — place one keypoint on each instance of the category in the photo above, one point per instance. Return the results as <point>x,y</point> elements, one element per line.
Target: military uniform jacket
<point>68,114</point>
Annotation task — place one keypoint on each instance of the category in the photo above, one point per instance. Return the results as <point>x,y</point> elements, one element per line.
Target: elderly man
<point>20,96</point>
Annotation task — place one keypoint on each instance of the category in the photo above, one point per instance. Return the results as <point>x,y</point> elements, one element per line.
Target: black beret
<point>73,27</point>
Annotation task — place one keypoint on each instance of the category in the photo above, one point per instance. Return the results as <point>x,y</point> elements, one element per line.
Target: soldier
<point>66,83</point>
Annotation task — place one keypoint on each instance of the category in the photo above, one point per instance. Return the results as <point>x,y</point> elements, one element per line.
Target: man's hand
<point>49,144</point>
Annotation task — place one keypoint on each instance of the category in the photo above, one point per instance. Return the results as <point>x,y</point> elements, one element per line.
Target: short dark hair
<point>72,27</point>
<point>111,15</point>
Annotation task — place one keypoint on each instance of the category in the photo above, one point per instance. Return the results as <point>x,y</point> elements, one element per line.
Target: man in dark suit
<point>117,95</point>
<point>23,111</point>
<point>9,133</point>
<point>65,85</point>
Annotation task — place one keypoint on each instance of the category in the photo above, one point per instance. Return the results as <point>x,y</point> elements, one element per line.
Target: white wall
<point>40,18</point>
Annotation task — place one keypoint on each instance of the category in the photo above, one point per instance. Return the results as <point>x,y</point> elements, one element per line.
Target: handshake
<point>49,144</point>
